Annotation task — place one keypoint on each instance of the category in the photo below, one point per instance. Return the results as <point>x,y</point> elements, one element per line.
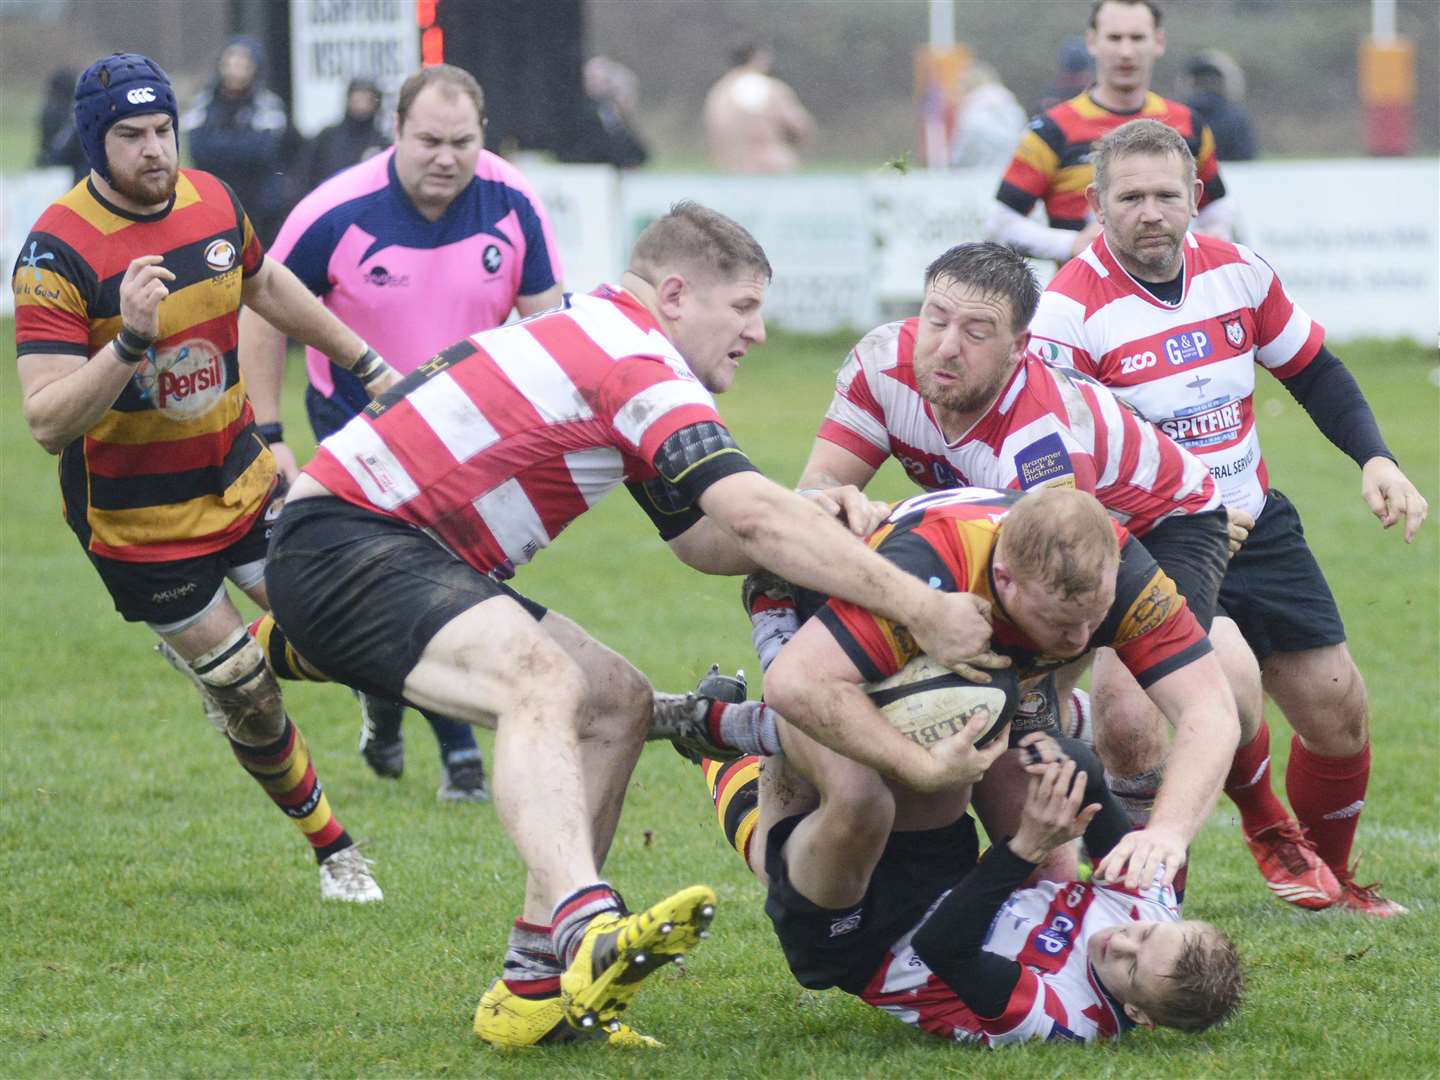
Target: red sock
<point>1248,785</point>
<point>1328,795</point>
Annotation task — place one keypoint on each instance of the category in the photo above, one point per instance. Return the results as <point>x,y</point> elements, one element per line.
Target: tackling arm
<point>792,537</point>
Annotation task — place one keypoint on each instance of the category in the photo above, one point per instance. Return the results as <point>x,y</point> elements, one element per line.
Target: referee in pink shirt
<point>413,249</point>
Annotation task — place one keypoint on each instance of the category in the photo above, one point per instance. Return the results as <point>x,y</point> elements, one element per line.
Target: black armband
<point>271,433</point>
<point>696,456</point>
<point>129,346</point>
<point>688,462</point>
<point>1329,393</point>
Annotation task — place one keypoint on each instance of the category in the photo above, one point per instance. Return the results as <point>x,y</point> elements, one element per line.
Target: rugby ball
<point>927,702</point>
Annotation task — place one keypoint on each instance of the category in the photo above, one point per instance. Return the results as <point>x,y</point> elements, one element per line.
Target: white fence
<point>1357,242</point>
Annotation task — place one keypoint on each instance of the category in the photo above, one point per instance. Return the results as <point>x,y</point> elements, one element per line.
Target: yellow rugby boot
<point>618,951</point>
<point>509,1021</point>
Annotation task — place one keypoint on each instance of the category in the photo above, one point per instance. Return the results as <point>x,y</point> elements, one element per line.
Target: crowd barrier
<point>1357,242</point>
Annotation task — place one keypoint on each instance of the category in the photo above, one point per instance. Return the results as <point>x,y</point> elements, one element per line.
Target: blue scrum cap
<point>120,85</point>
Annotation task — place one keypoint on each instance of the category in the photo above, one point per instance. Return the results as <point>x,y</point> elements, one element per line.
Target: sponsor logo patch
<point>1044,462</point>
<point>141,95</point>
<point>1052,352</point>
<point>32,261</point>
<point>165,596</point>
<point>1205,425</point>
<point>220,255</point>
<point>846,924</point>
<point>1150,609</point>
<point>491,258</point>
<point>1188,346</point>
<point>382,278</point>
<point>184,381</point>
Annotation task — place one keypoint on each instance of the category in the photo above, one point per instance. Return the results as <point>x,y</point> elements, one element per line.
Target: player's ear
<point>1092,200</point>
<point>670,294</point>
<point>1159,43</point>
<point>1138,1016</point>
<point>1022,344</point>
<point>1199,190</point>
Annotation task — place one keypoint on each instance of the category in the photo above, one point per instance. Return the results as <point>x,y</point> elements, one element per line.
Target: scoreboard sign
<point>334,41</point>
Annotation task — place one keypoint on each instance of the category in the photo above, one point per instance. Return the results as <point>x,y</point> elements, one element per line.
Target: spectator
<point>59,143</point>
<point>1217,91</point>
<point>239,130</point>
<point>990,120</point>
<point>1075,70</point>
<point>356,137</point>
<point>753,121</point>
<point>607,134</point>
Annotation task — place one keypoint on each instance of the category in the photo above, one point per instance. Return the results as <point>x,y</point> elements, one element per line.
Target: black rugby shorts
<point>1274,589</point>
<point>360,594</point>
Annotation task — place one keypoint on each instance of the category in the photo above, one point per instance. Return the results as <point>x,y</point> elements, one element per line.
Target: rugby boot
<point>507,1020</point>
<point>381,742</point>
<point>462,779</point>
<point>346,876</point>
<point>1292,868</point>
<point>618,951</point>
<point>684,719</point>
<point>1366,899</point>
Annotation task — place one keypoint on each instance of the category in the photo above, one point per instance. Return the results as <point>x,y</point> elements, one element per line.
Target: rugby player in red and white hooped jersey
<point>1176,323</point>
<point>953,397</point>
<point>389,563</point>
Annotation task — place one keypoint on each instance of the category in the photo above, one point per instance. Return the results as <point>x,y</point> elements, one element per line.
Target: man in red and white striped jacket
<point>1176,323</point>
<point>388,570</point>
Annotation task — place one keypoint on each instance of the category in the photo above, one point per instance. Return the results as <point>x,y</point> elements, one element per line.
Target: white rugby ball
<point>927,702</point>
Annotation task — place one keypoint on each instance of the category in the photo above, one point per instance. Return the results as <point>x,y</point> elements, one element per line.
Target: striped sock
<point>284,770</point>
<point>573,915</point>
<point>747,726</point>
<point>735,790</point>
<point>532,970</point>
<point>1137,793</point>
<point>284,661</point>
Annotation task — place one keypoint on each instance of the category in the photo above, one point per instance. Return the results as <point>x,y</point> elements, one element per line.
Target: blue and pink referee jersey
<point>407,285</point>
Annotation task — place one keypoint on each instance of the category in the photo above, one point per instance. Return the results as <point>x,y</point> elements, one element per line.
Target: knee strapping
<point>237,677</point>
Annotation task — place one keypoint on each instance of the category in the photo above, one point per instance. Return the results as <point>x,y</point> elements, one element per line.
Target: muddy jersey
<point>1046,930</point>
<point>1189,368</point>
<point>947,539</point>
<point>497,443</point>
<point>175,468</point>
<point>1049,426</point>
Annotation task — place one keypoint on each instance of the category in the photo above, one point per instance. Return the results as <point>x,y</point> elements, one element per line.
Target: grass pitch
<point>160,918</point>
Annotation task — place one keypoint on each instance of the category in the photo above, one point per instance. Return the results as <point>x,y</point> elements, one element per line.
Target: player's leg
<point>829,856</point>
<point>267,744</point>
<point>1322,694</point>
<point>383,607</point>
<point>185,604</point>
<point>1285,609</point>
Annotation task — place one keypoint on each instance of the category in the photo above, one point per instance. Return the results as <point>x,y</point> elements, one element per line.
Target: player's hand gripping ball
<point>927,702</point>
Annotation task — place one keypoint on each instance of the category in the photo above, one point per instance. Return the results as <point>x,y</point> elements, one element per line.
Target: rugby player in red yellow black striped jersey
<point>127,294</point>
<point>1052,162</point>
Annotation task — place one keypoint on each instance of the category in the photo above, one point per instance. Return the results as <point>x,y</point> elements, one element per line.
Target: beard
<point>146,190</point>
<point>1159,262</point>
<point>966,396</point>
